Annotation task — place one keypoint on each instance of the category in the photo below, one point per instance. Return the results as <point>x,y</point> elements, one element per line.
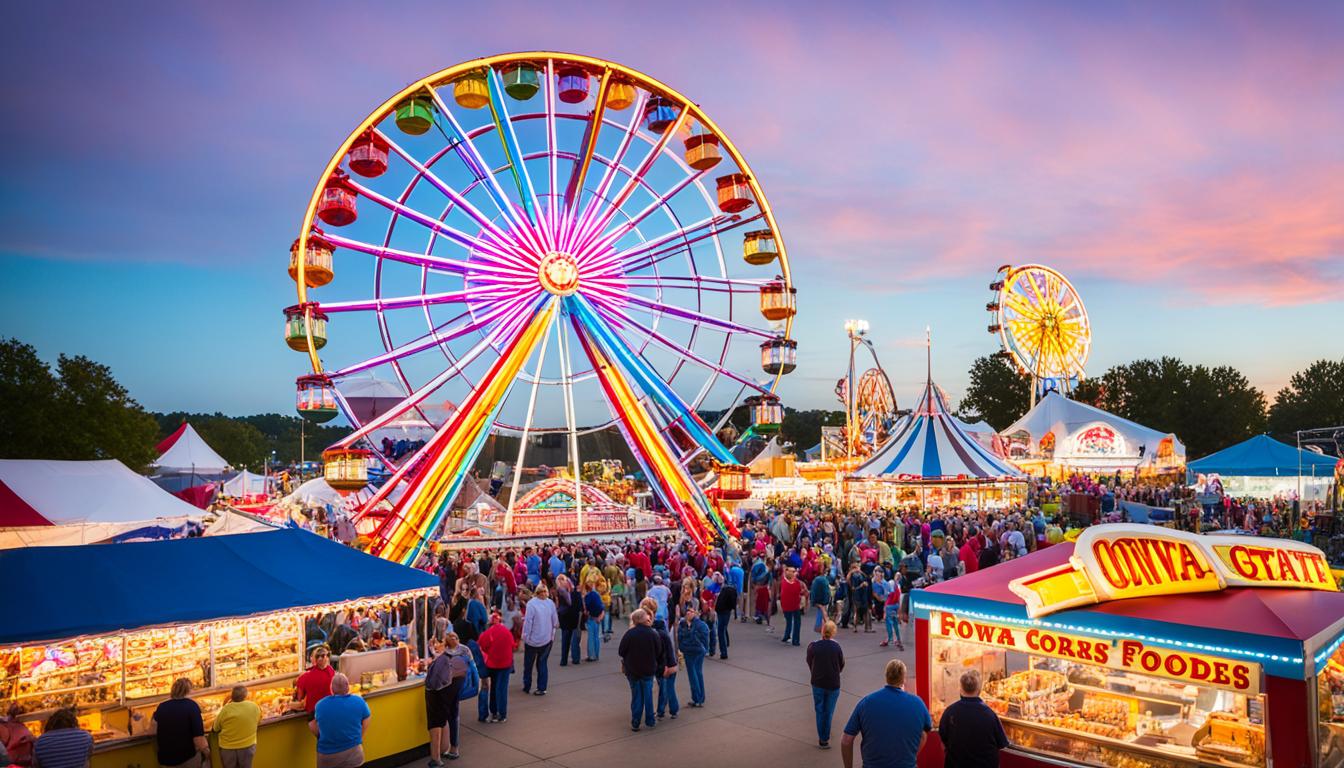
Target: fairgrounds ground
<point>758,709</point>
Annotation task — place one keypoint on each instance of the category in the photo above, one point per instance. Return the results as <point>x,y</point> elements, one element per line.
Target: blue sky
<point>1183,166</point>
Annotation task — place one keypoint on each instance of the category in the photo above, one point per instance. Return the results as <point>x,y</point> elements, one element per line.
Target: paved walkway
<point>758,710</point>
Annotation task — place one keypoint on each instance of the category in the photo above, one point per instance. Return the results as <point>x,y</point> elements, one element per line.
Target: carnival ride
<point>515,199</point>
<point>870,413</point>
<point>1042,325</point>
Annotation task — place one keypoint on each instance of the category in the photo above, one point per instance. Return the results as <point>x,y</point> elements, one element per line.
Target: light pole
<point>856,330</point>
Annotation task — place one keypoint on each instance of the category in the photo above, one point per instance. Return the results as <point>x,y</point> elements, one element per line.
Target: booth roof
<point>1294,614</point>
<point>104,588</point>
<point>1263,456</point>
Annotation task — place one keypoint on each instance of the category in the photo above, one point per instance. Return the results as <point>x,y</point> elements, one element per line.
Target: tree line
<point>78,411</point>
<point>1208,408</point>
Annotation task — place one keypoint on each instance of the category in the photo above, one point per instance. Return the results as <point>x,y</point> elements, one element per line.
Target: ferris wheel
<point>1042,324</point>
<point>874,410</point>
<point>539,244</point>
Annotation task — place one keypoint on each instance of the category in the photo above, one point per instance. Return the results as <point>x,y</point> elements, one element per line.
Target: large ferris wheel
<point>1042,324</point>
<point>532,244</point>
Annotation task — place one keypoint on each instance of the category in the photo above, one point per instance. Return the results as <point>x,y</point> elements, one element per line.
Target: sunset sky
<point>1183,163</point>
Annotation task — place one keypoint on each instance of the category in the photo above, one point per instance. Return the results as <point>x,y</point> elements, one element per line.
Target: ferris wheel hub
<point>559,273</point>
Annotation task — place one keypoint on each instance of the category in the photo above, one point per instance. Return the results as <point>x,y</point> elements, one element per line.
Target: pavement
<point>758,709</point>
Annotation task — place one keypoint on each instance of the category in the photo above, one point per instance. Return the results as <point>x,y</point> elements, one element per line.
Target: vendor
<point>315,684</point>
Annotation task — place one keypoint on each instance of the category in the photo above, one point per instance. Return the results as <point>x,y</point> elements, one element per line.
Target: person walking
<point>724,605</point>
<point>63,744</point>
<point>693,642</point>
<point>236,725</point>
<point>539,626</point>
<point>859,594</point>
<point>569,607</point>
<point>596,611</point>
<point>971,732</point>
<point>792,599</point>
<point>894,724</point>
<point>820,596</point>
<point>179,733</point>
<point>667,672</point>
<point>497,647</point>
<point>339,723</point>
<point>892,614</point>
<point>826,660</point>
<point>443,684</point>
<point>641,653</point>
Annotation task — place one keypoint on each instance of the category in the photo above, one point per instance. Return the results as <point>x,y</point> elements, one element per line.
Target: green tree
<point>998,393</point>
<point>803,428</point>
<point>29,423</point>
<point>1314,397</point>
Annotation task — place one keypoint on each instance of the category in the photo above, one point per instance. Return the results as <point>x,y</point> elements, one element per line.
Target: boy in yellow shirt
<point>236,725</point>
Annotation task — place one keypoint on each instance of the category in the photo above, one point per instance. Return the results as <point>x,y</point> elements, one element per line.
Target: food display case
<point>1218,671</point>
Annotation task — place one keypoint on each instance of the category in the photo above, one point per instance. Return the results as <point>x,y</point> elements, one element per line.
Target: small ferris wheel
<point>1042,324</point>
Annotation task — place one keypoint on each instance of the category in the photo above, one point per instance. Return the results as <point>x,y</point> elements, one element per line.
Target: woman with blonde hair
<point>603,588</point>
<point>179,733</point>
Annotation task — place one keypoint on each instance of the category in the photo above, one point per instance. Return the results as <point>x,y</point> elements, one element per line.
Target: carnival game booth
<point>1060,436</point>
<point>220,611</point>
<point>932,461</point>
<point>1263,467</point>
<point>1142,646</point>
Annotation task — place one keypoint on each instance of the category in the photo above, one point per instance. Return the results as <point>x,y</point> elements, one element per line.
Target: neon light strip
<point>504,127</point>
<point>402,537</point>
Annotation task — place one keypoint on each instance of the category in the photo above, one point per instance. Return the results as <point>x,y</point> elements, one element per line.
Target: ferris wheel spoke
<point>686,282</point>
<point>590,133</point>
<point>424,300</point>
<point>609,175</point>
<point>485,249</point>
<point>682,313</point>
<point>621,320</point>
<point>435,338</point>
<point>612,237</point>
<point>499,238</point>
<point>624,261</point>
<point>441,263</point>
<point>509,138</point>
<point>552,147</point>
<point>605,212</point>
<point>499,334</point>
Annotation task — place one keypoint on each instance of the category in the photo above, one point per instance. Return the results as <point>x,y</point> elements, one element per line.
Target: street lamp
<point>856,329</point>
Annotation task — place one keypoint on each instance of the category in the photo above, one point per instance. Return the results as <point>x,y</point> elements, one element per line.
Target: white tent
<point>190,454</point>
<point>317,493</point>
<point>247,484</point>
<point>76,502</point>
<point>982,433</point>
<point>231,521</point>
<point>1072,434</point>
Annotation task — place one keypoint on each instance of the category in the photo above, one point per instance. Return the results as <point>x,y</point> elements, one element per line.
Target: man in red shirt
<point>970,552</point>
<point>791,596</point>
<point>315,684</point>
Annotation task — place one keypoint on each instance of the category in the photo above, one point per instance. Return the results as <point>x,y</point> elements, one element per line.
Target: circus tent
<point>932,446</point>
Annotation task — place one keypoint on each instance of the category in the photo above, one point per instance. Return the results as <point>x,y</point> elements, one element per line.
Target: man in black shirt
<point>641,652</point>
<point>723,606</point>
<point>972,734</point>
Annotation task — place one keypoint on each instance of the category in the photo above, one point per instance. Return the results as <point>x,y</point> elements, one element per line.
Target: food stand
<point>116,624</point>
<point>1142,646</point>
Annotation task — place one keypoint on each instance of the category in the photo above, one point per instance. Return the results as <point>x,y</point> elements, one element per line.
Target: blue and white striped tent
<point>931,445</point>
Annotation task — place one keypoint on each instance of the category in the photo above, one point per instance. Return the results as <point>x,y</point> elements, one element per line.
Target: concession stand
<point>107,628</point>
<point>1138,646</point>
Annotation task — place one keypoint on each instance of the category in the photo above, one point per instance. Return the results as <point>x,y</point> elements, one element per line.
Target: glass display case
<point>1330,709</point>
<point>1099,716</point>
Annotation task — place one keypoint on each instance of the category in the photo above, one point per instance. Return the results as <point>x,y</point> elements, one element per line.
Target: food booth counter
<point>1142,647</point>
<point>220,611</point>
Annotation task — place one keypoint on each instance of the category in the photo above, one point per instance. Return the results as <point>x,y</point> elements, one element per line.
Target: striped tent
<point>931,445</point>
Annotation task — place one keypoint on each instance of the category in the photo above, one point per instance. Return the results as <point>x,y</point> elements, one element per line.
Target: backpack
<point>471,684</point>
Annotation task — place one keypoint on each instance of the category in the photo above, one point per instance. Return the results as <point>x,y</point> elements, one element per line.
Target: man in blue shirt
<point>339,723</point>
<point>533,561</point>
<point>894,724</point>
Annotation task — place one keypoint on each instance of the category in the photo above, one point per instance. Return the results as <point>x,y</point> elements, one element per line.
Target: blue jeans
<point>695,675</point>
<point>793,626</point>
<point>606,622</point>
<point>535,654</point>
<point>569,646</point>
<point>499,692</point>
<point>713,637</point>
<point>483,699</point>
<point>725,618</point>
<point>641,700</point>
<point>893,622</point>
<point>594,638</point>
<point>821,618</point>
<point>667,695</point>
<point>823,701</point>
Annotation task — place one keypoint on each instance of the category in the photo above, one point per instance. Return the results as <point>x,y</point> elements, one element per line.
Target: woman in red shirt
<point>497,645</point>
<point>791,597</point>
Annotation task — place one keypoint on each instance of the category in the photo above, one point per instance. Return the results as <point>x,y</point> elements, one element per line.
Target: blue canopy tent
<point>103,588</point>
<point>1263,466</point>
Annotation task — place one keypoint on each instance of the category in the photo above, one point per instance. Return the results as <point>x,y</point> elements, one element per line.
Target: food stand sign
<point>1126,655</point>
<point>1115,562</point>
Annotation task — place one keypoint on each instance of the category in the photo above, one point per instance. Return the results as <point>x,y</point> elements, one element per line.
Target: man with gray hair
<point>971,732</point>
<point>642,655</point>
<point>339,723</point>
